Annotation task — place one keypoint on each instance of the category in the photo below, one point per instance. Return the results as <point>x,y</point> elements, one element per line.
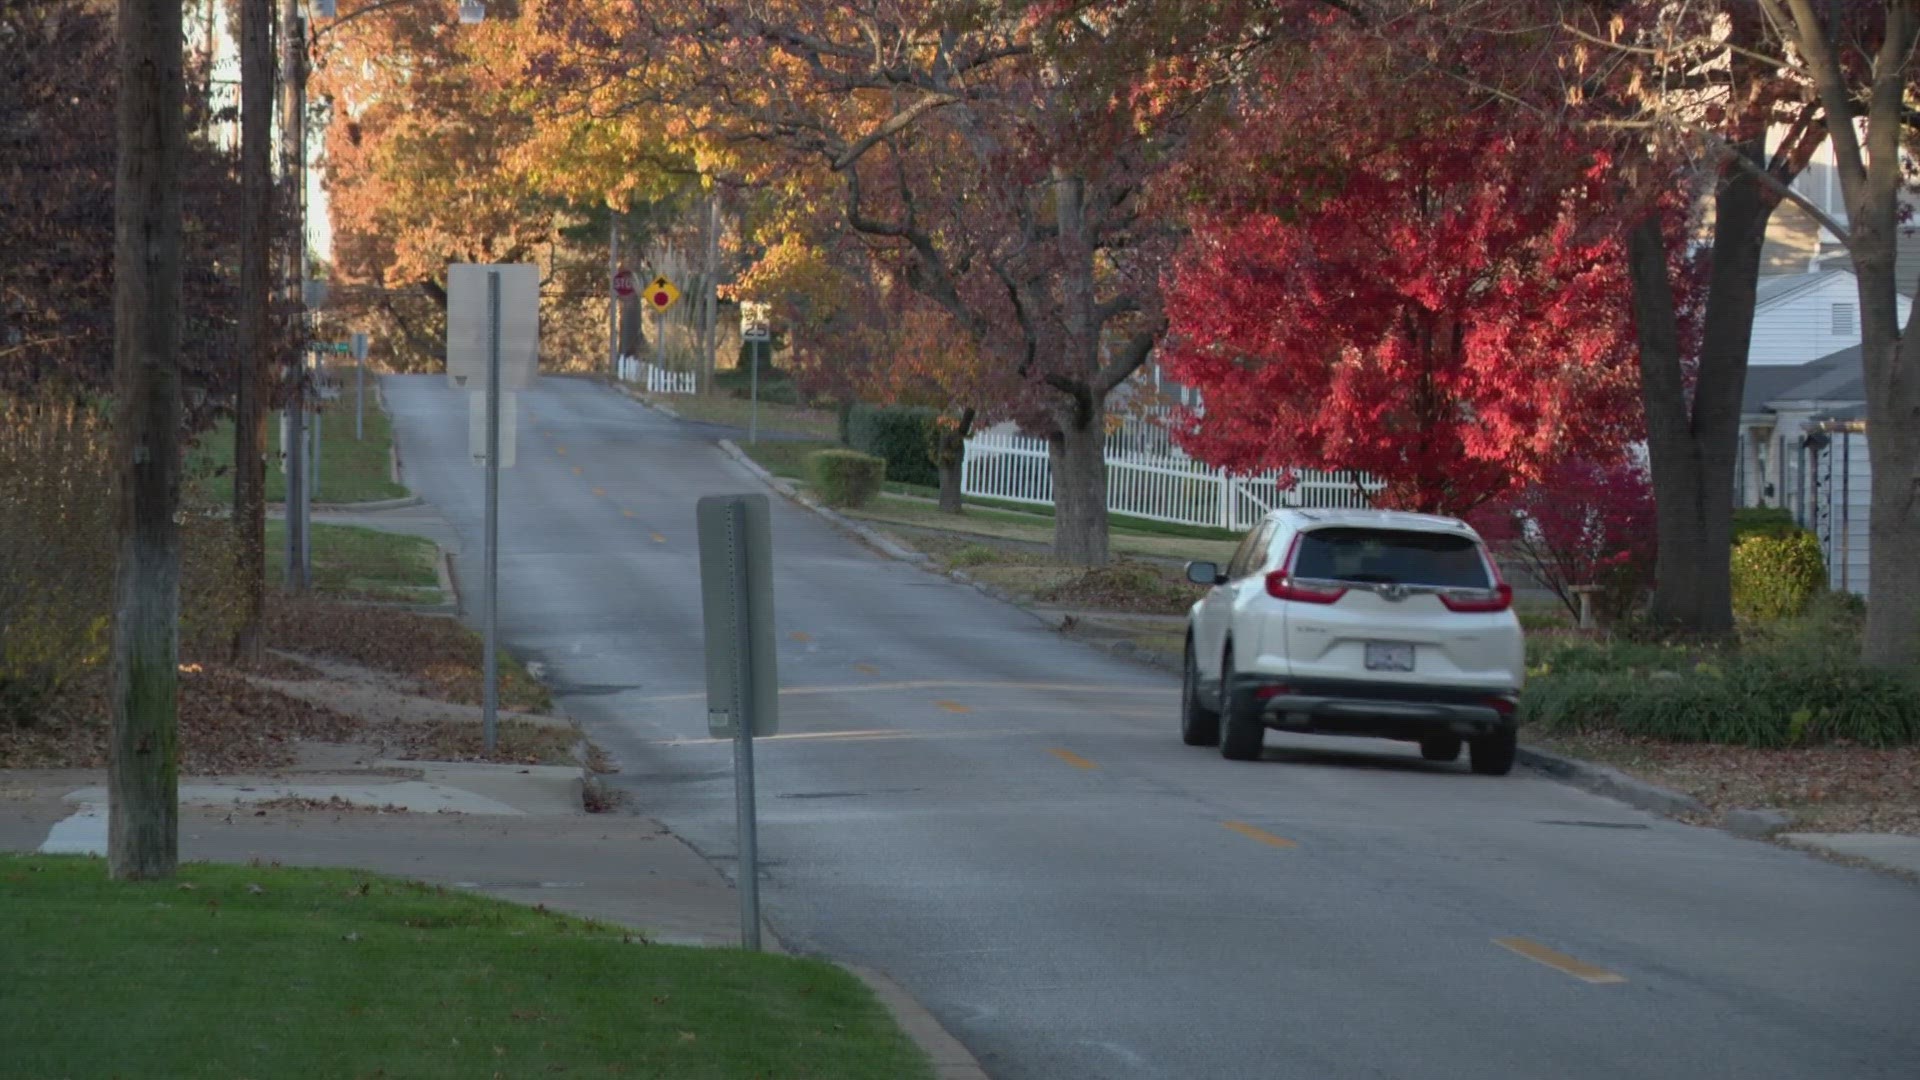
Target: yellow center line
<point>1253,832</point>
<point>577,470</point>
<point>1071,758</point>
<point>953,706</point>
<point>866,669</point>
<point>600,491</point>
<point>801,636</point>
<point>561,450</point>
<point>658,539</point>
<point>627,513</point>
<point>1561,962</point>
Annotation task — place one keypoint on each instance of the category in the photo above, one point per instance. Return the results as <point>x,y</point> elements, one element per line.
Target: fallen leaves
<point>1826,788</point>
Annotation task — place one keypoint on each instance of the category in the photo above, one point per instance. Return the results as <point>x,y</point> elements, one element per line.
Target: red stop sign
<point>623,283</point>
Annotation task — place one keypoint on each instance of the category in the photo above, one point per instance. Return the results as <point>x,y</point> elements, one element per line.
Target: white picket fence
<point>658,380</point>
<point>1149,477</point>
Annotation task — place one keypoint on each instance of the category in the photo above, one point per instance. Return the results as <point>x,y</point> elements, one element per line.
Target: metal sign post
<point>756,326</point>
<point>491,700</point>
<point>493,340</point>
<point>743,683</point>
<point>359,386</point>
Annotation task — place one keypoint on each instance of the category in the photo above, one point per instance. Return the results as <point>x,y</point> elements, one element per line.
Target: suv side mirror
<point>1205,573</point>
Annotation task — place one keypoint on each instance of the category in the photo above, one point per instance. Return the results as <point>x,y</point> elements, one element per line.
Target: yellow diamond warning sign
<point>660,293</point>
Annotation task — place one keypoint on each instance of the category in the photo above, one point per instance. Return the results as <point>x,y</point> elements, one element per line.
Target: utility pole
<point>256,336</point>
<point>143,823</point>
<point>293,173</point>
<point>613,294</point>
<point>709,296</point>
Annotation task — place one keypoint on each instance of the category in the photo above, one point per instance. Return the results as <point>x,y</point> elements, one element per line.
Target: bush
<point>846,477</point>
<point>1584,525</point>
<point>57,559</point>
<point>1753,701</point>
<point>902,436</point>
<point>1774,576</point>
<point>776,387</point>
<point>1763,521</point>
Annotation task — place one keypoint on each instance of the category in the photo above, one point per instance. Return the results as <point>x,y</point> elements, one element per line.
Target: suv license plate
<point>1389,656</point>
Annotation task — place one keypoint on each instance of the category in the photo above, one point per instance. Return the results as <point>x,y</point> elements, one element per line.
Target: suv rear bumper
<point>1380,710</point>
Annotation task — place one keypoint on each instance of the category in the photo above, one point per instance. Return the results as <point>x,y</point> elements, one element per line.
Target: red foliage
<point>1585,524</point>
<point>1436,297</point>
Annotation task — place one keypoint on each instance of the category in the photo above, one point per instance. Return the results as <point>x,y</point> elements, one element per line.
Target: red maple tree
<point>1436,297</point>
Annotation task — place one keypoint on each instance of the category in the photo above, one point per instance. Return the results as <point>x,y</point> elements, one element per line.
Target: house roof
<point>1837,378</point>
<point>1779,288</point>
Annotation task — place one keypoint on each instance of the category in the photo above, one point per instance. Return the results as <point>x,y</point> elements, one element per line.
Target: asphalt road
<point>1006,823</point>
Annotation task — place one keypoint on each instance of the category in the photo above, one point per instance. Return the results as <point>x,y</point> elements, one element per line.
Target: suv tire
<point>1199,725</point>
<point>1492,755</point>
<point>1440,748</point>
<point>1242,736</point>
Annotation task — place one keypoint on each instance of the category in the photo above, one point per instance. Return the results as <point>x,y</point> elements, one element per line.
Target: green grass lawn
<point>910,504</point>
<point>235,971</point>
<point>789,419</point>
<point>351,470</point>
<point>350,562</point>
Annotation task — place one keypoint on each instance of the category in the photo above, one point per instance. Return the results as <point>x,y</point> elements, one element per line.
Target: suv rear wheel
<point>1241,733</point>
<point>1199,725</point>
<point>1492,755</point>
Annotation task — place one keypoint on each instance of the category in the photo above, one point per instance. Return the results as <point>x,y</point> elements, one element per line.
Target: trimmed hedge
<point>1763,521</point>
<point>1774,576</point>
<point>846,478</point>
<point>902,436</point>
<point>1756,701</point>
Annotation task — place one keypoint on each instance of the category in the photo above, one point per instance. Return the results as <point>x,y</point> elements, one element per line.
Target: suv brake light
<point>1498,598</point>
<point>1282,586</point>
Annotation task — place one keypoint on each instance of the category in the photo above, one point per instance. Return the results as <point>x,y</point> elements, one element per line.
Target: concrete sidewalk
<point>512,831</point>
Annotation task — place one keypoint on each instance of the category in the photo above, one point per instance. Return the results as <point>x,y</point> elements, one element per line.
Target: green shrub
<point>1763,521</point>
<point>776,387</point>
<point>1775,576</point>
<point>1753,701</point>
<point>846,477</point>
<point>903,436</point>
<point>57,557</point>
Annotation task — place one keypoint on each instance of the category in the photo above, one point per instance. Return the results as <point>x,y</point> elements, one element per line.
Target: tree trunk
<point>1694,446</point>
<point>1078,455</point>
<point>948,457</point>
<point>632,337</point>
<point>143,834</point>
<point>1893,554</point>
<point>292,161</point>
<point>255,333</point>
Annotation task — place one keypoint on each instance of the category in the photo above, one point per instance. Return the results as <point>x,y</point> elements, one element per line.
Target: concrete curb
<point>1609,781</point>
<point>634,396</point>
<point>873,537</point>
<point>369,507</point>
<point>950,1059</point>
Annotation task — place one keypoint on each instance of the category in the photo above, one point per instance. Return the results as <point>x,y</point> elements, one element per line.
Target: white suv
<point>1356,622</point>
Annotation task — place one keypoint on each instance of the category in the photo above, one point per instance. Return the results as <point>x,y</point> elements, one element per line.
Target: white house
<point>1804,448</point>
<point>1799,318</point>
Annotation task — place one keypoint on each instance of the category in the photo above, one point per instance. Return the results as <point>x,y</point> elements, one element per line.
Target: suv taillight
<point>1282,586</point>
<point>1498,598</point>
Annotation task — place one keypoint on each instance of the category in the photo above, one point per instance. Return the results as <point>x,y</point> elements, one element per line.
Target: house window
<point>1843,322</point>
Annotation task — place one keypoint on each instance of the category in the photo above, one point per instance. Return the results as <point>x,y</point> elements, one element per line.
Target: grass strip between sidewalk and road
<point>270,973</point>
<point>738,412</point>
<point>354,563</point>
<point>914,506</point>
<point>351,470</point>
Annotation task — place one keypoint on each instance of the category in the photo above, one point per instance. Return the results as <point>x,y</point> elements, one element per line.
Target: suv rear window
<point>1391,557</point>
